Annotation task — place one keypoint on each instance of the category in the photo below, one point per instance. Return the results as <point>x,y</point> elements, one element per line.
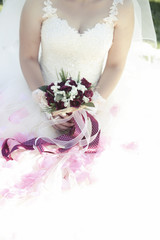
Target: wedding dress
<point>116,194</point>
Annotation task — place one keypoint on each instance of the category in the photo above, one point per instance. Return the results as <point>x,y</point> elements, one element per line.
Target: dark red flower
<point>80,94</point>
<point>85,83</point>
<point>49,87</point>
<point>73,83</point>
<point>49,98</point>
<point>88,94</point>
<point>65,88</point>
<point>60,105</point>
<point>75,103</point>
<point>61,84</point>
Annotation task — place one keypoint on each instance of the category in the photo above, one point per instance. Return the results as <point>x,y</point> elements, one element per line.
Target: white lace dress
<point>114,196</point>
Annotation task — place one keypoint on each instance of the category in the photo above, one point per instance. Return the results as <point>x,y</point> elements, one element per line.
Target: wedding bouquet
<point>67,94</point>
<point>80,142</point>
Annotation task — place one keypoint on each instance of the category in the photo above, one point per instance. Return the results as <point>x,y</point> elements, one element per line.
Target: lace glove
<point>98,101</point>
<point>39,97</point>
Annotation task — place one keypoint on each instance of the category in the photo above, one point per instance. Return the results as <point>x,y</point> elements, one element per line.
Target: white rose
<point>81,87</point>
<point>55,88</point>
<point>67,83</point>
<point>59,95</point>
<point>73,92</point>
<point>85,99</point>
<point>67,104</point>
<point>72,97</point>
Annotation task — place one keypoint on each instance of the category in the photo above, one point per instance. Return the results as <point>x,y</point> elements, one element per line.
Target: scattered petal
<point>18,115</point>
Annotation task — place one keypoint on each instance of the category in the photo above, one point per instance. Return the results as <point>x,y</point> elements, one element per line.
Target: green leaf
<point>89,104</point>
<point>43,88</point>
<point>52,104</point>
<point>49,109</point>
<point>63,75</point>
<point>67,95</point>
<point>57,75</point>
<point>78,78</point>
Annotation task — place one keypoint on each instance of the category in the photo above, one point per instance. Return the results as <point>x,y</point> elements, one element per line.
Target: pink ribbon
<point>87,141</point>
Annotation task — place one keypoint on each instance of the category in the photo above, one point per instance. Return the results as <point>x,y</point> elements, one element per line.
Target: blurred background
<point>155,7</point>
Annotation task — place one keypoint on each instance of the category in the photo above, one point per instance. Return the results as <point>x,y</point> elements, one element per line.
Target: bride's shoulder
<point>125,13</point>
<point>126,5</point>
<point>33,8</point>
<point>33,3</point>
<point>126,9</point>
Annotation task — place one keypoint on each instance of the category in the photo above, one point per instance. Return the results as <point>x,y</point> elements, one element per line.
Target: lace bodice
<point>64,47</point>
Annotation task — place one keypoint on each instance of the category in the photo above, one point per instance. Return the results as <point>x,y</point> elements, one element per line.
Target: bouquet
<point>67,94</point>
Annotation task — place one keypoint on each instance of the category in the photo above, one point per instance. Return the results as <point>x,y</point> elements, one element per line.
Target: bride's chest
<point>57,34</point>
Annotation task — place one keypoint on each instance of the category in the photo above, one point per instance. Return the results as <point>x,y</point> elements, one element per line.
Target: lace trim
<point>113,12</point>
<point>48,10</point>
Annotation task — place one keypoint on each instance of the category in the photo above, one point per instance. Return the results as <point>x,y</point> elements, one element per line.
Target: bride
<point>111,190</point>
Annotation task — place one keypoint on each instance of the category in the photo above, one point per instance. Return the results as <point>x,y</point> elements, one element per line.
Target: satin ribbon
<point>86,135</point>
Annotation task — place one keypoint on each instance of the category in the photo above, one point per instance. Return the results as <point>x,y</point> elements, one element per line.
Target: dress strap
<point>113,11</point>
<point>48,9</point>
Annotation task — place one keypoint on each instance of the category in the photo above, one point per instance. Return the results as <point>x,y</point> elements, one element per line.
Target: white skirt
<point>116,196</point>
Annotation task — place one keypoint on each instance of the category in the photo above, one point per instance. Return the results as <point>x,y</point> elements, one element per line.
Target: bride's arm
<point>119,50</point>
<point>30,26</point>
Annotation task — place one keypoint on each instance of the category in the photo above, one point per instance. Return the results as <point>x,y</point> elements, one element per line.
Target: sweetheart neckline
<point>105,20</point>
<point>88,30</point>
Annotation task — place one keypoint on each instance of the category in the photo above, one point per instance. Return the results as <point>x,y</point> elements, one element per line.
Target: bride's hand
<point>63,126</point>
<point>39,97</point>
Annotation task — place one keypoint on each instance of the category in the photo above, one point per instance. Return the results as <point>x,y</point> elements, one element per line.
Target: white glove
<point>98,100</point>
<point>39,97</point>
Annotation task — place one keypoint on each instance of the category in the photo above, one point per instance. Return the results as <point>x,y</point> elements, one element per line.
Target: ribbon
<point>86,135</point>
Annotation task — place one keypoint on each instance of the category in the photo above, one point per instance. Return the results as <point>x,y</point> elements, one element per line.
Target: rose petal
<point>18,115</point>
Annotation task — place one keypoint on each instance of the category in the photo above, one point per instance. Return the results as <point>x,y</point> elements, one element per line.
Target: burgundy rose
<point>49,87</point>
<point>73,83</point>
<point>61,84</point>
<point>80,94</point>
<point>88,94</point>
<point>49,98</point>
<point>75,103</point>
<point>59,105</point>
<point>85,83</point>
<point>65,88</point>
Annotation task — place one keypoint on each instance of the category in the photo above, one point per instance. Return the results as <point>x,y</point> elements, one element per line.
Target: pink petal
<point>48,162</point>
<point>6,193</point>
<point>30,179</point>
<point>75,165</point>
<point>65,184</point>
<point>114,110</point>
<point>83,176</point>
<point>18,115</point>
<point>130,146</point>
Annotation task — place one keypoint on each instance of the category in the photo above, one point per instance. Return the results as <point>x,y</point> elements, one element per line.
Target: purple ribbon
<point>41,143</point>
